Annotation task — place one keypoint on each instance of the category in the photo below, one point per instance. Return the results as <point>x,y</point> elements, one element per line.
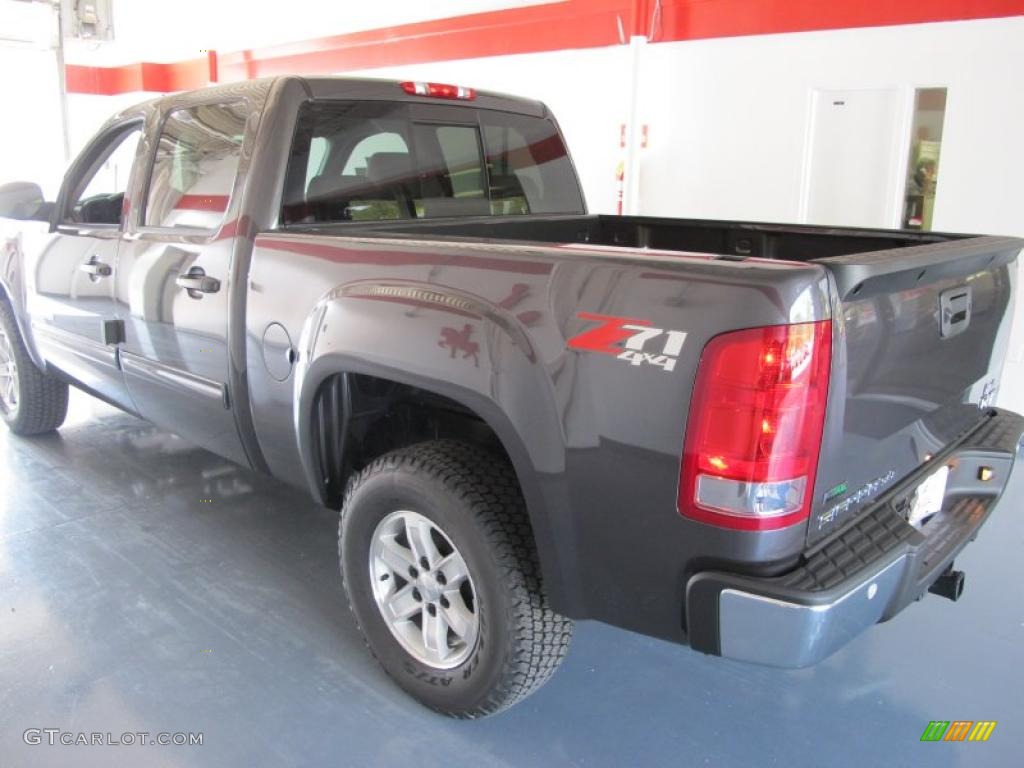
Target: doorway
<point>853,163</point>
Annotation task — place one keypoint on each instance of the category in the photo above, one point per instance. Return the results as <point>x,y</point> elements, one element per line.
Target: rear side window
<point>349,161</point>
<point>371,161</point>
<point>195,166</point>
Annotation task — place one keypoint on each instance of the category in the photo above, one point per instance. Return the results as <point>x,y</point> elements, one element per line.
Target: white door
<point>853,164</point>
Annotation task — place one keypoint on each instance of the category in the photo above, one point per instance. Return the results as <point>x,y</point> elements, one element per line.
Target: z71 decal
<point>626,338</point>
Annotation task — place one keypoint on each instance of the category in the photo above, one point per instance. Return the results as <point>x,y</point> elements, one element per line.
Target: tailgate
<point>920,336</point>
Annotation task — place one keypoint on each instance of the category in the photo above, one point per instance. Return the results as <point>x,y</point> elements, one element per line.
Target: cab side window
<point>195,166</point>
<point>98,196</point>
<point>350,161</point>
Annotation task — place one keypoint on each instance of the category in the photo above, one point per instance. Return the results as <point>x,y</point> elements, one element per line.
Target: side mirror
<point>21,200</point>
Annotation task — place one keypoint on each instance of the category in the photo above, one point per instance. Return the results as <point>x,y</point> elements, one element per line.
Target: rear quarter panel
<point>595,440</point>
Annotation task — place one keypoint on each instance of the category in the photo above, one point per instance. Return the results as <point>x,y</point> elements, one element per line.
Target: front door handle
<point>95,268</point>
<point>196,283</point>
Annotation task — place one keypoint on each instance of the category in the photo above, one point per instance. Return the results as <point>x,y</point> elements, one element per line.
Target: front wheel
<point>440,570</point>
<point>31,402</point>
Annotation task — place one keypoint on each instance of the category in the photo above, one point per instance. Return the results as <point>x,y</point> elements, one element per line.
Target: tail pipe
<point>950,584</point>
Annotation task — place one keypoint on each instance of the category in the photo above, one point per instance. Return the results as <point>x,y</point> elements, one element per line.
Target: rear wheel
<point>441,573</point>
<point>31,402</point>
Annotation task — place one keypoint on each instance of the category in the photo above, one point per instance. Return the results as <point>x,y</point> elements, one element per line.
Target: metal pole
<point>62,84</point>
<point>632,181</point>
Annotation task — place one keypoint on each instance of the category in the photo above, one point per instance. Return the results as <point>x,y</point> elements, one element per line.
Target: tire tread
<point>43,399</point>
<point>488,486</point>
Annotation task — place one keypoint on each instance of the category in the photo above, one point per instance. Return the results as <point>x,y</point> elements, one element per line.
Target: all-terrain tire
<point>38,402</point>
<point>474,500</point>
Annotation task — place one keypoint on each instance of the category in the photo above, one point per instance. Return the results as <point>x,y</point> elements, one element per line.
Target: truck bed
<point>726,239</point>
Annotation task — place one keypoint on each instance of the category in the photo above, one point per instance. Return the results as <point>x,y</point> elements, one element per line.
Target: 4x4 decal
<point>626,338</point>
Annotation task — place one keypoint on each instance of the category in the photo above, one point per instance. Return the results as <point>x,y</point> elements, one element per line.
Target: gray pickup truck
<point>754,439</point>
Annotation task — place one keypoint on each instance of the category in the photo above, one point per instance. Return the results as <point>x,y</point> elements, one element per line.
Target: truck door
<point>176,284</point>
<point>72,279</point>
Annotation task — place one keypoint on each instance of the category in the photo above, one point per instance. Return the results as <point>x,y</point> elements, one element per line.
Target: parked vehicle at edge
<point>754,439</point>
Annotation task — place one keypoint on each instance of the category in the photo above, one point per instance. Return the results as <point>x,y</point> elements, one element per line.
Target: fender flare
<point>509,390</point>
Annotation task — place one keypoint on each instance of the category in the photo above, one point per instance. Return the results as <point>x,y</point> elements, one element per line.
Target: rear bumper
<point>866,573</point>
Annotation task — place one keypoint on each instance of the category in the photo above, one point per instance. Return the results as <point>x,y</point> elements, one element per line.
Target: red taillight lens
<point>754,430</point>
<point>439,90</point>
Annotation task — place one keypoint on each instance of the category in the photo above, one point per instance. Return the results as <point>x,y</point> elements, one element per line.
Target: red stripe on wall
<point>556,26</point>
<point>144,76</point>
<point>103,81</point>
<point>569,24</point>
<point>698,19</point>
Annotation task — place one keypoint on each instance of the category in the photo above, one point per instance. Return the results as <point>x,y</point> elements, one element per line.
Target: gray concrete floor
<point>147,585</point>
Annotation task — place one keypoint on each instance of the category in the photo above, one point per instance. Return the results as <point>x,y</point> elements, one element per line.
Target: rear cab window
<point>373,161</point>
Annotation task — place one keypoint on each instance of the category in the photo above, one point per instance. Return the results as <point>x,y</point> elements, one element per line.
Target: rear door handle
<point>95,268</point>
<point>196,282</point>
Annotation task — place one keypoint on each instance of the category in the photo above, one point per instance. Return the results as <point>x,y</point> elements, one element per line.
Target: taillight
<point>754,430</point>
<point>439,90</point>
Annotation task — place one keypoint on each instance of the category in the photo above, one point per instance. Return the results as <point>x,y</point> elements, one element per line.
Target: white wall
<point>31,135</point>
<point>730,141</point>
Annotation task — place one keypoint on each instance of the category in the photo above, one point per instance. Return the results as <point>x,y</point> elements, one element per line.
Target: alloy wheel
<point>8,375</point>
<point>423,590</point>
